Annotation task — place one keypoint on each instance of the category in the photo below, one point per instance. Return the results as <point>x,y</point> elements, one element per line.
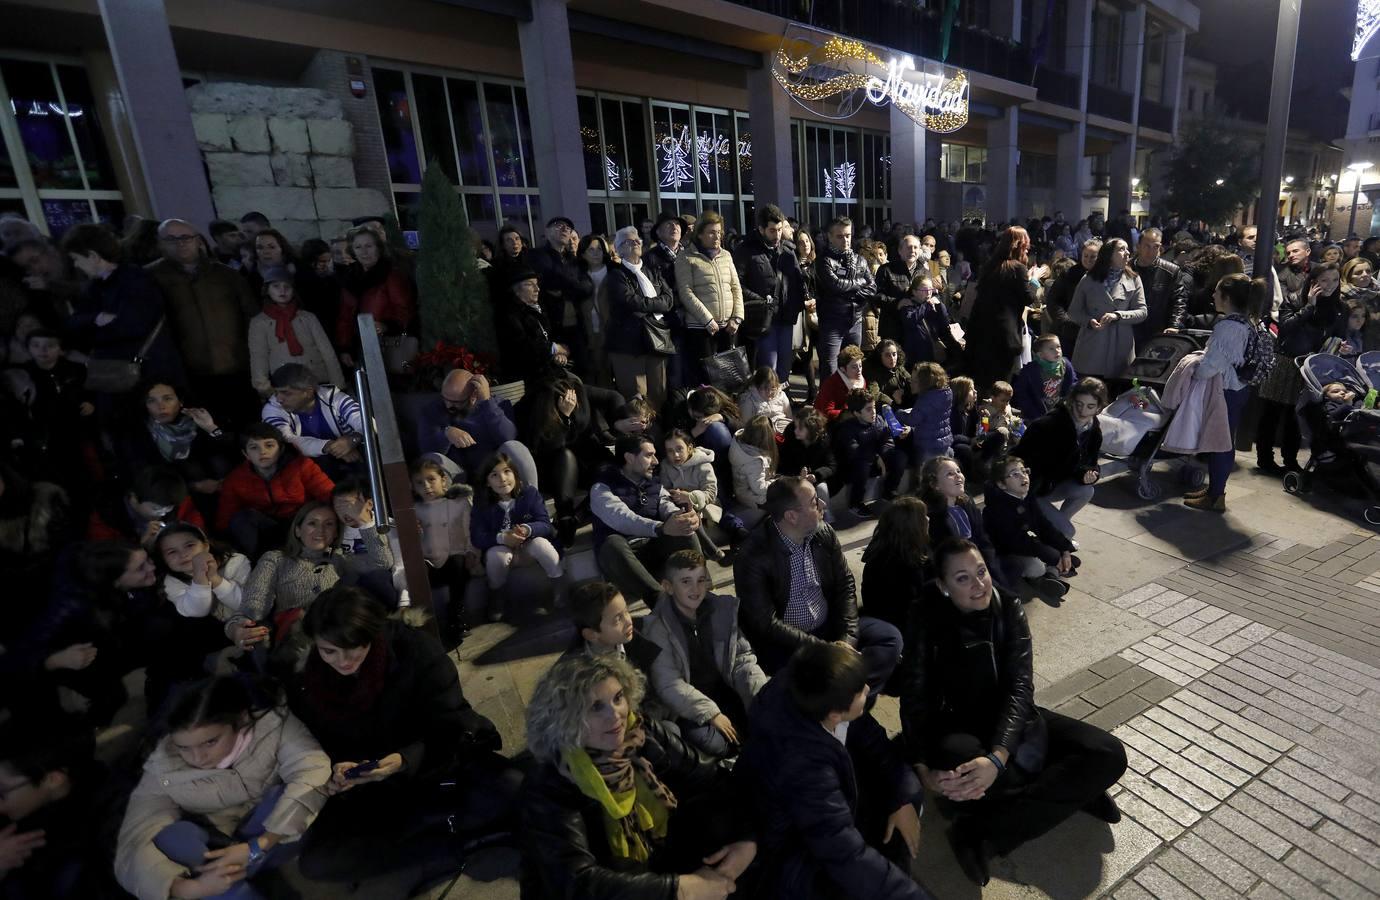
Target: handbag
<point>116,376</point>
<point>398,352</point>
<point>727,370</point>
<point>658,335</point>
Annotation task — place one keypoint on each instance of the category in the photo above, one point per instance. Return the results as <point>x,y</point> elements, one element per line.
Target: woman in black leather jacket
<point>1011,770</point>
<point>620,807</point>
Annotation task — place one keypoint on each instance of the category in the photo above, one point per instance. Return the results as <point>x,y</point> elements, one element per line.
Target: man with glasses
<point>467,424</point>
<point>795,587</point>
<point>636,524</point>
<point>209,306</point>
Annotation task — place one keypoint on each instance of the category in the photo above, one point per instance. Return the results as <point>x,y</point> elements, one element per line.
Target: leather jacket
<point>1166,298</point>
<point>843,282</point>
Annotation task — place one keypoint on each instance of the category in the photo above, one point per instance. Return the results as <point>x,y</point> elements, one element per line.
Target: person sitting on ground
<point>354,507</point>
<point>863,444</point>
<point>1061,449</point>
<point>795,587</point>
<point>199,578</point>
<point>259,497</point>
<point>930,414</point>
<point>706,672</point>
<point>185,438</point>
<point>896,563</point>
<point>833,393</point>
<point>469,425</point>
<point>414,769</point>
<point>283,333</point>
<point>323,422</point>
<point>603,626</point>
<point>885,370</point>
<point>1011,770</point>
<point>511,528</point>
<point>953,514</point>
<point>60,408</point>
<point>636,523</point>
<point>156,497</point>
<point>808,452</point>
<point>445,514</point>
<point>227,791</point>
<point>1043,383</point>
<point>998,424</point>
<point>688,475</point>
<point>619,807</point>
<point>837,806</point>
<point>1028,547</point>
<point>753,456</point>
<point>766,397</point>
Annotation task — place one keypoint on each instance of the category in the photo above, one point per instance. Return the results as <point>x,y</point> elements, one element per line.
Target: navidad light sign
<point>829,80</point>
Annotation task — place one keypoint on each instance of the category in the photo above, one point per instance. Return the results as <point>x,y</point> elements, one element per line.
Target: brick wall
<point>330,71</point>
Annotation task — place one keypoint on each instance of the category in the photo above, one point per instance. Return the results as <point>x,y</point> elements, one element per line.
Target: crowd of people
<point>183,494</point>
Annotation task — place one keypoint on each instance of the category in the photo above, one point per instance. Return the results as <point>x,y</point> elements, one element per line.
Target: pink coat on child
<point>1200,422</point>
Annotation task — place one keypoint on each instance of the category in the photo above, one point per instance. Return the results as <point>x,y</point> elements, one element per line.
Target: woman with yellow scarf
<point>621,806</point>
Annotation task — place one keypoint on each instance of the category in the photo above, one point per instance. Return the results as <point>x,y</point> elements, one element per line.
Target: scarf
<point>341,698</point>
<point>643,281</point>
<point>242,741</point>
<point>1051,369</point>
<point>174,440</point>
<point>282,316</point>
<point>636,805</point>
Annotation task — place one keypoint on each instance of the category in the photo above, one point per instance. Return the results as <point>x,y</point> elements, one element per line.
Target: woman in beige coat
<point>711,300</point>
<point>256,777</point>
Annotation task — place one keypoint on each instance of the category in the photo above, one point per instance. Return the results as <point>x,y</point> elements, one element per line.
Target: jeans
<point>1075,495</point>
<point>837,328</point>
<point>775,351</point>
<point>1219,464</point>
<point>186,843</point>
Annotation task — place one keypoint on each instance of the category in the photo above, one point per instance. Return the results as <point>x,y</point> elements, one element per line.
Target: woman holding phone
<point>414,770</point>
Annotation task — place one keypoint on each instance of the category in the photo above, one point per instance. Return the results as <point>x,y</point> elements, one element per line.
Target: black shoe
<point>1104,809</point>
<point>1269,467</point>
<point>971,856</point>
<point>1051,589</point>
<point>566,527</point>
<point>862,511</point>
<point>1292,466</point>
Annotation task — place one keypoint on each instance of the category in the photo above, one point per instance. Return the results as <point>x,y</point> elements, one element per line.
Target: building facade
<point>607,111</point>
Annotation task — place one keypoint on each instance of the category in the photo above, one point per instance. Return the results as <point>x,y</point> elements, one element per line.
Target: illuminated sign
<point>833,80</point>
<point>1367,23</point>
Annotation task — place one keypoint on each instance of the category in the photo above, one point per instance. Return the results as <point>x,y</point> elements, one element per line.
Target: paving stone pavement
<point>1240,668</point>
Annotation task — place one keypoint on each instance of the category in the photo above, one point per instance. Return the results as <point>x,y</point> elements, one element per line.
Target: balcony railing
<point>1156,115</point>
<point>1109,102</point>
<point>909,29</point>
<point>1057,87</point>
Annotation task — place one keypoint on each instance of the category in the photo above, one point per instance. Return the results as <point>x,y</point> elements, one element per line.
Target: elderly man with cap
<point>639,330</point>
<point>528,345</point>
<point>467,424</point>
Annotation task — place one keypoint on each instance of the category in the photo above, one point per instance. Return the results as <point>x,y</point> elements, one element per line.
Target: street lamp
<point>1221,182</point>
<point>1356,169</point>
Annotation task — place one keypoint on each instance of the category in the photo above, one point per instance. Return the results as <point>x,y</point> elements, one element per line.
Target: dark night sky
<point>1239,36</point>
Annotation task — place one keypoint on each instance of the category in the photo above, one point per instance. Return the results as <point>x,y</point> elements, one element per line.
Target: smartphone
<point>363,768</point>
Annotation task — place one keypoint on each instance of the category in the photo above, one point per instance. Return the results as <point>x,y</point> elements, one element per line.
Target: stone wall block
<point>298,230</point>
<point>236,99</point>
<point>291,169</point>
<point>331,137</point>
<point>239,169</point>
<point>289,135</point>
<point>333,171</point>
<point>249,134</point>
<point>349,203</point>
<point>278,203</point>
<point>212,131</point>
<point>334,228</point>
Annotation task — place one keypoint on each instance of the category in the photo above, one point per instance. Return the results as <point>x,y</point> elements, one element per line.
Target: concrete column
<point>549,72</point>
<point>1078,42</point>
<point>1176,40</point>
<point>907,168</point>
<point>1006,19</point>
<point>1003,152</point>
<point>1132,51</point>
<point>1159,178</point>
<point>150,79</point>
<point>1123,167</point>
<point>769,117</point>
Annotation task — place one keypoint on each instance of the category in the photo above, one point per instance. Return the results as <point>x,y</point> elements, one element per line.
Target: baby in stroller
<point>1336,411</point>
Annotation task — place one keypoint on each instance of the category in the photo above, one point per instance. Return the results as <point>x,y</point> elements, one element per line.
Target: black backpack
<point>1259,359</point>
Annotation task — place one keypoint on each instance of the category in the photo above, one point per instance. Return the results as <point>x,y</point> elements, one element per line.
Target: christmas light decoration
<point>1367,23</point>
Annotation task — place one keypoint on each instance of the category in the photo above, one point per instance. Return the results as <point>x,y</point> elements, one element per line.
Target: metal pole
<point>382,517</point>
<point>1276,134</point>
<point>1355,195</point>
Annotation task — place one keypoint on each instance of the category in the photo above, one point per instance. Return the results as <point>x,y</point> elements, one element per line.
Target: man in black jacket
<point>556,268</point>
<point>773,290</point>
<point>845,286</point>
<point>833,793</point>
<point>1166,289</point>
<point>795,587</point>
<point>526,336</point>
<point>893,284</point>
<point>662,254</point>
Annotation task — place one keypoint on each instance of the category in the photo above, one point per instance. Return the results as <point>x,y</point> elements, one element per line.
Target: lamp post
<point>1356,169</point>
<point>1276,133</point>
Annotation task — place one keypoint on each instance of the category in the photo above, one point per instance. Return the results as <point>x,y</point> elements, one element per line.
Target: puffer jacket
<point>733,657</point>
<point>707,287</point>
<point>282,751</point>
<point>752,473</point>
<point>843,283</point>
<point>770,279</point>
<point>929,418</point>
<point>777,408</point>
<point>696,476</point>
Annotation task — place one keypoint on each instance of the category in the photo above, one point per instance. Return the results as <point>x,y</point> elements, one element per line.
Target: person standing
<point>1166,290</point>
<point>769,275</point>
<point>711,299</point>
<point>1109,302</point>
<point>845,286</point>
<point>638,334</point>
<point>996,328</point>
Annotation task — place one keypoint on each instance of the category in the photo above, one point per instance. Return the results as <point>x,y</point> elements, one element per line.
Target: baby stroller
<point>1346,448</point>
<point>1134,424</point>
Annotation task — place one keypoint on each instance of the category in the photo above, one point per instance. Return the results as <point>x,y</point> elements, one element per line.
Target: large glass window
<point>963,164</point>
<point>55,168</point>
<point>477,131</point>
<point>1106,45</point>
<point>1152,72</point>
<point>846,173</point>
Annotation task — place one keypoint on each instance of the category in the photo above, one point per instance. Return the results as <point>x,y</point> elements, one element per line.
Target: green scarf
<point>1051,369</point>
<point>636,805</point>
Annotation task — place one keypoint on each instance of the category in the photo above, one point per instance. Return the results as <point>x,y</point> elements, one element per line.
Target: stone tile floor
<point>1236,656</point>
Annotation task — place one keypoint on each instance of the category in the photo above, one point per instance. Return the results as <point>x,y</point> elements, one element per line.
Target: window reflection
<point>395,116</point>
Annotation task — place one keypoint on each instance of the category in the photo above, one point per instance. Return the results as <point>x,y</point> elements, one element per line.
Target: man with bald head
<point>209,306</point>
<point>468,425</point>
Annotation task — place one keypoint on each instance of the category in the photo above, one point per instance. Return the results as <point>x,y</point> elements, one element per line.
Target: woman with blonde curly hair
<point>598,820</point>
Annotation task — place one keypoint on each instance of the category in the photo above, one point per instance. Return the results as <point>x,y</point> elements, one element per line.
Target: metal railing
<point>1109,102</point>
<point>1156,115</point>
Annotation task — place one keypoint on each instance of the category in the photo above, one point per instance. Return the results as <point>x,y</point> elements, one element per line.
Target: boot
<point>1207,502</point>
<point>560,593</point>
<point>1050,589</point>
<point>1196,493</point>
<point>1268,465</point>
<point>971,853</point>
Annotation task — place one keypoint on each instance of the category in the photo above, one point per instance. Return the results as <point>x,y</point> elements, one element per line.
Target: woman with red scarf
<point>283,333</point>
<point>415,770</point>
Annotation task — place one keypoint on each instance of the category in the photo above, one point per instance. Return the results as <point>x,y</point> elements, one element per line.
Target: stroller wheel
<point>1147,489</point>
<point>1293,483</point>
<point>1372,515</point>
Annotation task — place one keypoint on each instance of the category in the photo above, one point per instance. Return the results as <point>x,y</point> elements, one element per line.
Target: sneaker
<point>862,511</point>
